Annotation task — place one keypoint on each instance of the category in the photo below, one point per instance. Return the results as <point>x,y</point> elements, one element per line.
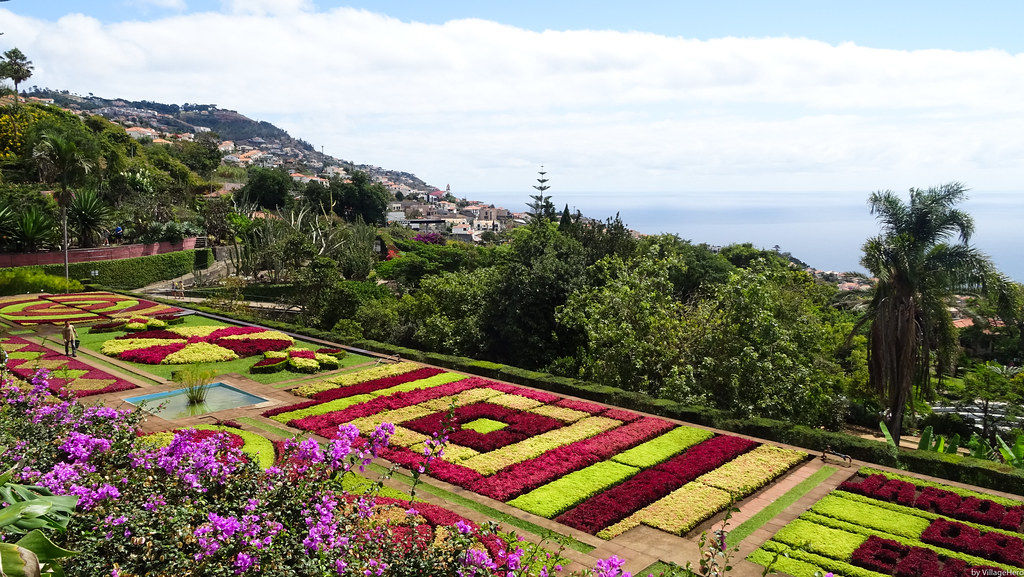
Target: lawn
<point>94,341</point>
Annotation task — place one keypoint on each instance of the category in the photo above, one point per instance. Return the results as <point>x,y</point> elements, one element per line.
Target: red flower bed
<point>705,457</point>
<point>541,396</point>
<point>893,558</point>
<point>522,477</point>
<point>439,469</point>
<point>289,408</point>
<point>233,440</point>
<point>151,355</point>
<point>983,511</point>
<point>649,485</point>
<point>151,334</point>
<point>265,366</point>
<point>431,424</point>
<point>376,384</point>
<point>530,424</point>
<point>586,407</point>
<point>302,354</point>
<point>252,347</point>
<point>372,407</point>
<point>234,331</point>
<point>990,545</point>
<point>107,327</point>
<point>485,442</point>
<point>26,369</point>
<point>621,415</point>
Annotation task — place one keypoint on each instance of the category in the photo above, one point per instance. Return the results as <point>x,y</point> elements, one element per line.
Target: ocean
<point>824,229</point>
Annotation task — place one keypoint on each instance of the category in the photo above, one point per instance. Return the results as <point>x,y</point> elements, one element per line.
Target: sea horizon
<point>824,229</point>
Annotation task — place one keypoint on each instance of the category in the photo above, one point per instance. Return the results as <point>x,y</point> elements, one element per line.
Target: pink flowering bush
<point>197,506</point>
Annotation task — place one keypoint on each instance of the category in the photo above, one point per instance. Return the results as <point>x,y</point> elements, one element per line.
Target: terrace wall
<point>95,254</point>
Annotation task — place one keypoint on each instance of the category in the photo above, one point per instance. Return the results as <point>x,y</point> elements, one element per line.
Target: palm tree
<point>918,270</point>
<point>90,216</point>
<point>17,67</point>
<point>60,159</point>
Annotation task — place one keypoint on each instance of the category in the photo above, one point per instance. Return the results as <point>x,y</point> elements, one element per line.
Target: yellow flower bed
<point>348,379</point>
<point>199,353</point>
<point>496,460</point>
<point>114,347</point>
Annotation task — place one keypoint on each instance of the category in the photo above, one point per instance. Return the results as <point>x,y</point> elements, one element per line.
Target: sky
<point>645,99</point>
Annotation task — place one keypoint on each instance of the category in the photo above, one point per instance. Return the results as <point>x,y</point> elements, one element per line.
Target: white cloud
<point>165,4</point>
<point>480,104</point>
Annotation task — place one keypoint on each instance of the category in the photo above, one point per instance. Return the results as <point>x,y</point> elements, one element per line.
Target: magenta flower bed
<point>528,475</point>
<point>434,423</point>
<point>439,469</point>
<point>989,545</point>
<point>151,334</point>
<point>586,407</point>
<point>376,384</point>
<point>301,354</point>
<point>540,396</point>
<point>289,408</point>
<point>234,331</point>
<point>372,407</point>
<point>983,511</point>
<point>622,415</point>
<point>893,558</point>
<point>253,347</point>
<point>151,355</point>
<point>649,485</point>
<point>530,424</point>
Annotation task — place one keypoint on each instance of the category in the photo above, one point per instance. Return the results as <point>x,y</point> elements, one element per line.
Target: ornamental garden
<point>419,455</point>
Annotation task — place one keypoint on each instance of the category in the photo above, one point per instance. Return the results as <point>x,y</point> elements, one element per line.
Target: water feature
<point>174,404</point>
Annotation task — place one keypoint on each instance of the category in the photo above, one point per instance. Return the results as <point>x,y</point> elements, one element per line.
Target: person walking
<point>71,341</point>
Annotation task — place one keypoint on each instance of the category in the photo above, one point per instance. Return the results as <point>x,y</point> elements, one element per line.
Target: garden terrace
<point>607,479</point>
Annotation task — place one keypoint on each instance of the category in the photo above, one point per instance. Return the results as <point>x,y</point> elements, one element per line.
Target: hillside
<point>229,125</point>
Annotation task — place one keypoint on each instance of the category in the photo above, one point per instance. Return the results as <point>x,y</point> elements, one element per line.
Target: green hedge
<point>32,280</point>
<point>133,273</point>
<point>982,473</point>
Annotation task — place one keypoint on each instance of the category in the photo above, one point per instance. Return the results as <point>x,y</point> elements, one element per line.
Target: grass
<point>280,431</point>
<point>495,514</point>
<point>754,523</point>
<point>93,341</point>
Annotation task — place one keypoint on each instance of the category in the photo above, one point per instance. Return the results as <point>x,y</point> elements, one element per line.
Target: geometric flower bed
<point>195,344</point>
<point>298,360</point>
<point>880,523</point>
<point>601,470</point>
<point>26,357</point>
<point>76,307</point>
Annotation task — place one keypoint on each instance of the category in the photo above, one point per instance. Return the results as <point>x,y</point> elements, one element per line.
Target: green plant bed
<point>93,342</point>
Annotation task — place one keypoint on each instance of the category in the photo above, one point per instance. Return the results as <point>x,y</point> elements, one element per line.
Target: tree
<point>360,198</point>
<point>541,207</point>
<point>267,187</point>
<point>62,159</point>
<point>989,390</point>
<point>90,216</point>
<point>17,67</point>
<point>917,271</point>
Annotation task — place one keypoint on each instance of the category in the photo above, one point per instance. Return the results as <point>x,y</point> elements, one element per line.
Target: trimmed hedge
<point>133,273</point>
<point>988,474</point>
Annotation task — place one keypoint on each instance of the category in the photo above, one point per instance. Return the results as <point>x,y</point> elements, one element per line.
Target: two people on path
<point>71,341</point>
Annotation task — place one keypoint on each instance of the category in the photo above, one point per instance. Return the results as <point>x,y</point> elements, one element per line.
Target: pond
<point>174,404</point>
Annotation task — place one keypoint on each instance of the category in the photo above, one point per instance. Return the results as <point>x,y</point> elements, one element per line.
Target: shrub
<point>32,280</point>
<point>132,273</point>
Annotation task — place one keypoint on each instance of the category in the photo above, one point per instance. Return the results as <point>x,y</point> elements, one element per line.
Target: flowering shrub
<point>430,238</point>
<point>195,506</point>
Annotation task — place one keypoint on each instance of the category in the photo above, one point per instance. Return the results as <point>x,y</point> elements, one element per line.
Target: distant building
<point>226,146</point>
<point>138,132</point>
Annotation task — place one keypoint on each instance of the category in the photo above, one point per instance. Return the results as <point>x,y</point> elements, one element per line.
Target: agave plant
<point>89,216</point>
<point>33,230</point>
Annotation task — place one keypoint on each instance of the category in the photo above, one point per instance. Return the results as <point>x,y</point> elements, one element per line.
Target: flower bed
<point>65,373</point>
<point>193,344</point>
<point>555,457</point>
<point>882,523</point>
<point>77,307</point>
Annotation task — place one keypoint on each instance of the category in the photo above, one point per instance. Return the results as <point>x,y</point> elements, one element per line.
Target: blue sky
<point>916,24</point>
